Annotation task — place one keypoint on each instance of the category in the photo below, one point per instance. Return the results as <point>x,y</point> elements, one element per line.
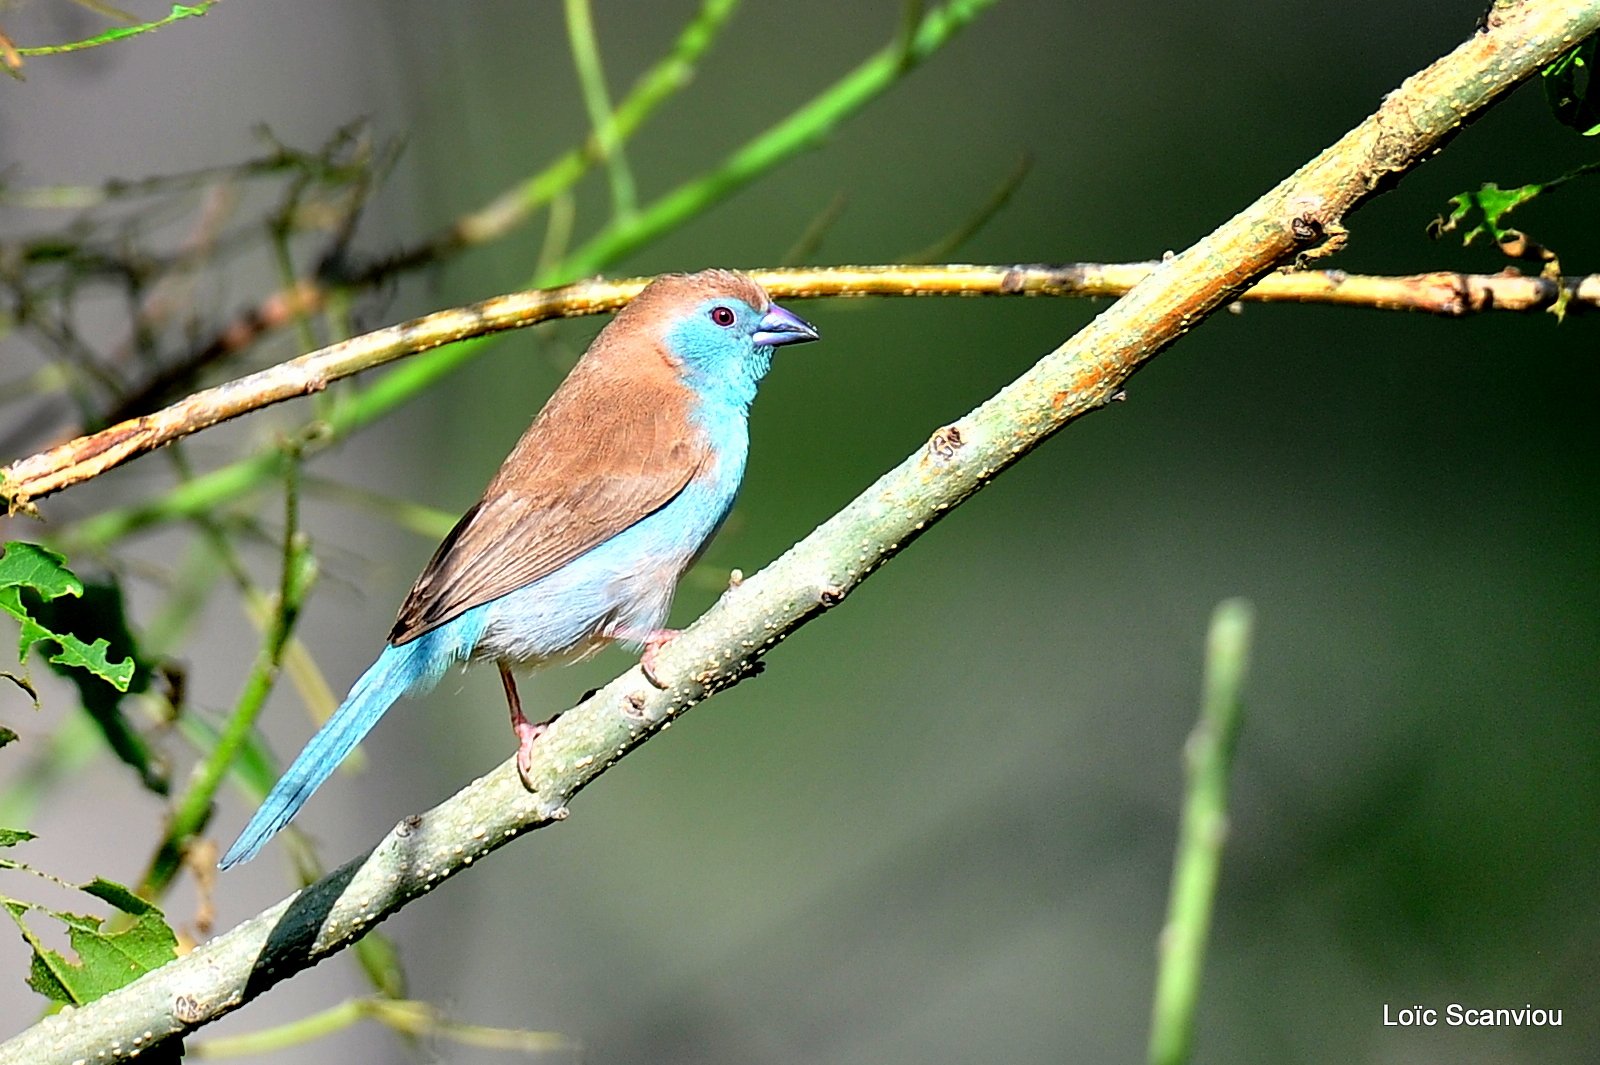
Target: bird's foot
<point>654,642</point>
<point>527,734</point>
<point>526,731</point>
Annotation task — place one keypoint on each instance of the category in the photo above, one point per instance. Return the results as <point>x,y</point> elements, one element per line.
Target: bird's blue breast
<point>621,588</point>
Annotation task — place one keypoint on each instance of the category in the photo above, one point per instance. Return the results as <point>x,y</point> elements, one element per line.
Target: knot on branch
<point>188,1010</point>
<point>1307,229</point>
<point>1315,229</point>
<point>944,444</point>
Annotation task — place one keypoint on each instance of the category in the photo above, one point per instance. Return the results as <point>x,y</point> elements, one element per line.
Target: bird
<point>580,539</point>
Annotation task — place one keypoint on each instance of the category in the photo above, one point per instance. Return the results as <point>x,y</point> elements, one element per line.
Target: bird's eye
<point>722,316</point>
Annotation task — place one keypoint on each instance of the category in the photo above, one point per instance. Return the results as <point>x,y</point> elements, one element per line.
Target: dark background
<point>940,826</point>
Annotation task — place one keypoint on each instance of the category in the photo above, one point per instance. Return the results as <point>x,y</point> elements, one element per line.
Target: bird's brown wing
<point>555,499</point>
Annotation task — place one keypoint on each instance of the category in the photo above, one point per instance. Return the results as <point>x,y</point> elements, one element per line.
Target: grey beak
<point>779,326</point>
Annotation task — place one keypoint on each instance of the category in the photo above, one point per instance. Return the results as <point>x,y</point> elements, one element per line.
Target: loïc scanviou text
<point>1456,1015</point>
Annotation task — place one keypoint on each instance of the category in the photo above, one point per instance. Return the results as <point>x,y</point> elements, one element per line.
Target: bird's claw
<point>527,734</point>
<point>653,643</point>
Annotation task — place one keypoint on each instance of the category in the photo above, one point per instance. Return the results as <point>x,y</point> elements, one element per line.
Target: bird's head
<point>719,329</point>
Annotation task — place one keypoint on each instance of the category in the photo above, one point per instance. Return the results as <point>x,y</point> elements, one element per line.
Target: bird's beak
<point>778,326</point>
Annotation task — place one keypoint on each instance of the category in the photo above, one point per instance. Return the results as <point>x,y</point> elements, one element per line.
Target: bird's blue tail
<point>396,672</point>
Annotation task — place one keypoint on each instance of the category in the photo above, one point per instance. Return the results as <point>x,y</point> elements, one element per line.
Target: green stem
<point>297,1032</point>
<point>179,11</point>
<point>406,1016</point>
<point>668,76</point>
<point>802,130</point>
<point>597,101</point>
<point>283,258</point>
<point>254,771</point>
<point>193,808</point>
<point>1202,830</point>
<point>190,499</point>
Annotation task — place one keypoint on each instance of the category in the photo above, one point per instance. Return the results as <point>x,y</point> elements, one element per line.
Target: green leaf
<point>10,837</point>
<point>1486,208</point>
<point>1571,90</point>
<point>41,974</point>
<point>45,574</point>
<point>32,631</point>
<point>107,960</point>
<point>99,614</point>
<point>92,657</point>
<point>6,735</point>
<point>120,897</point>
<point>31,566</point>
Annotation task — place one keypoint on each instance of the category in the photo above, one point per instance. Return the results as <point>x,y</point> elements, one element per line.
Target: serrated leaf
<point>10,837</point>
<point>92,657</point>
<point>32,631</point>
<point>1487,207</point>
<point>100,614</point>
<point>114,959</point>
<point>106,960</point>
<point>45,574</point>
<point>41,974</point>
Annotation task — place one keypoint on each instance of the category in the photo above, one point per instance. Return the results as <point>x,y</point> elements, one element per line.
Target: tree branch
<point>725,646</point>
<point>1443,293</point>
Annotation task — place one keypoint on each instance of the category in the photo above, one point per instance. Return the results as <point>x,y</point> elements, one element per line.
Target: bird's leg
<point>527,732</point>
<point>654,642</point>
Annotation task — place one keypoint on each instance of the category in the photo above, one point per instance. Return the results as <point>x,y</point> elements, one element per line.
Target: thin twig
<point>179,11</point>
<point>1443,293</point>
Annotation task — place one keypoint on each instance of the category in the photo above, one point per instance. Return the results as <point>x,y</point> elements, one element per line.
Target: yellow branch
<point>78,460</point>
